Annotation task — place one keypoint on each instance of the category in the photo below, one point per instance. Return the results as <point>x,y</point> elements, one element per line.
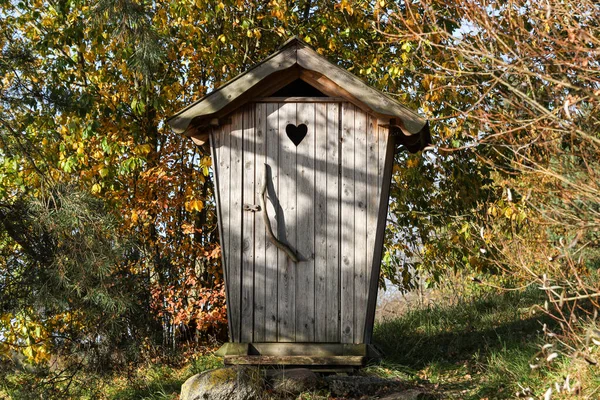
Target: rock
<point>288,382</point>
<point>240,383</point>
<point>359,386</point>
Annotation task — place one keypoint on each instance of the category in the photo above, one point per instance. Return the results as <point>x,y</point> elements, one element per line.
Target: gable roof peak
<point>295,58</point>
<point>291,41</point>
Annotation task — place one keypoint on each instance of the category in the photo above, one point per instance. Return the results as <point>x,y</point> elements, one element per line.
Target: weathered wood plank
<point>224,182</point>
<point>373,179</point>
<point>347,224</point>
<point>333,222</point>
<point>305,235</point>
<point>260,271</point>
<point>382,142</point>
<point>235,223</point>
<point>248,198</point>
<point>233,349</point>
<point>303,349</point>
<point>294,360</point>
<point>321,284</point>
<point>385,164</point>
<point>271,252</point>
<point>286,225</point>
<point>216,151</point>
<point>360,224</point>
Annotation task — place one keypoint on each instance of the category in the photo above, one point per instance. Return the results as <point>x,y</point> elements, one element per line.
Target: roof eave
<point>296,53</point>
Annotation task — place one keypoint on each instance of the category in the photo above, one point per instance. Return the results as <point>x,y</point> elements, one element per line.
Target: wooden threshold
<point>307,349</point>
<point>318,355</point>
<point>354,361</point>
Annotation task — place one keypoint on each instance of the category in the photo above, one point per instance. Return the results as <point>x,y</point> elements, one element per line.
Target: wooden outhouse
<point>302,152</point>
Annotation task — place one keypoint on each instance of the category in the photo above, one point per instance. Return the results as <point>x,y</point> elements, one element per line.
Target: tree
<point>61,259</point>
<point>516,84</point>
<point>86,89</point>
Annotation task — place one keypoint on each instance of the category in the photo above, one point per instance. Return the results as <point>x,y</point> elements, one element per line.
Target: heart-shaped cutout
<point>296,133</point>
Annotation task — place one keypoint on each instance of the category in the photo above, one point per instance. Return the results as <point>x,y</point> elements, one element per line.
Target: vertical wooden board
<point>260,272</point>
<point>248,198</point>
<point>382,141</point>
<point>223,179</point>
<point>305,234</point>
<point>322,285</point>
<point>286,225</point>
<point>332,165</point>
<point>360,223</point>
<point>223,166</point>
<point>385,163</point>
<point>216,152</point>
<point>271,252</point>
<point>347,224</point>
<point>235,223</point>
<point>373,179</point>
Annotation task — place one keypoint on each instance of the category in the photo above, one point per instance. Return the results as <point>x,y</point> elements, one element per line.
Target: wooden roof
<point>296,60</point>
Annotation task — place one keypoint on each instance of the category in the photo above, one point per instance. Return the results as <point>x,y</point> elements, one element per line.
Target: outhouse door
<point>323,161</point>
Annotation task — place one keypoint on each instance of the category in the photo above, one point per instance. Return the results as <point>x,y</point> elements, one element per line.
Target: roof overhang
<point>296,60</point>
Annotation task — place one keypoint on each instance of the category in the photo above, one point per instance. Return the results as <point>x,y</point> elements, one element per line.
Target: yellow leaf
<point>143,149</point>
<point>134,216</point>
<point>188,229</point>
<point>28,352</point>
<point>194,205</point>
<point>413,162</point>
<point>205,162</point>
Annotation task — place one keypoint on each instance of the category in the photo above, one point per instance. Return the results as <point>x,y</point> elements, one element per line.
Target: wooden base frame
<point>299,354</point>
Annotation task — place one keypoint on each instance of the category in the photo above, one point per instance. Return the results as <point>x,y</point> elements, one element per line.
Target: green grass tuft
<point>467,348</point>
<point>479,349</point>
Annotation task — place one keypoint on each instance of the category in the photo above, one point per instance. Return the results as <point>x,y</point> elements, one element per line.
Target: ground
<point>480,347</point>
<point>472,348</point>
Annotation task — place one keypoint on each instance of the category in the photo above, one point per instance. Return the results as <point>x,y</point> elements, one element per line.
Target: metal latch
<point>251,207</point>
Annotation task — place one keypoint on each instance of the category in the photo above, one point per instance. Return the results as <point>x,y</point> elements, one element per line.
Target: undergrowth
<point>491,347</point>
<point>482,348</point>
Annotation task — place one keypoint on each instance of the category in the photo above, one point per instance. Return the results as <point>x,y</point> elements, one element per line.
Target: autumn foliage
<point>87,159</point>
<point>108,242</point>
<point>512,187</point>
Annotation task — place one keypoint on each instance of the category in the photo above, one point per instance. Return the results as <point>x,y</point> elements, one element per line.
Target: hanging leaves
<point>86,88</point>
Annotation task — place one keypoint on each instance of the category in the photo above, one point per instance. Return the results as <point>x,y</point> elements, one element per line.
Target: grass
<point>455,334</point>
<point>158,382</point>
<point>479,349</point>
<point>144,382</point>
